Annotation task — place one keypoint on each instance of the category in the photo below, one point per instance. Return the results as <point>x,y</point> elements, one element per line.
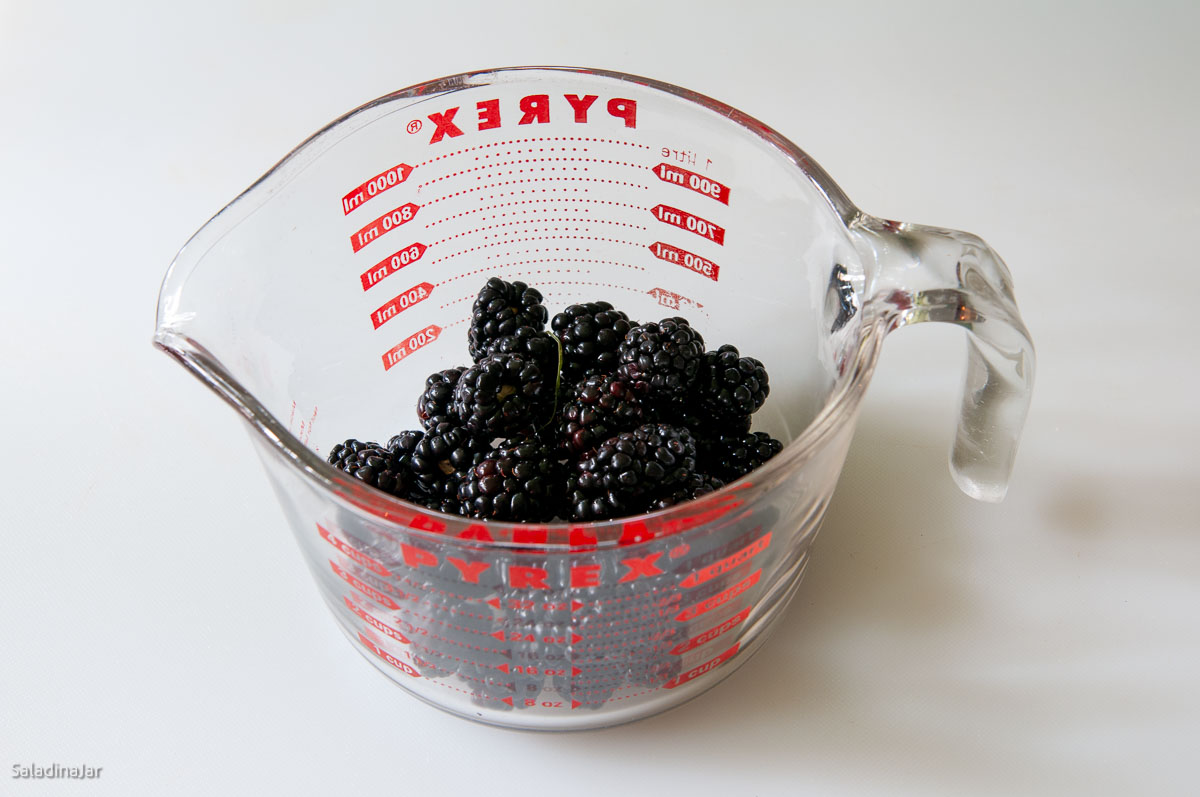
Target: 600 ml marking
<point>690,222</point>
<point>375,186</point>
<point>696,182</point>
<point>391,264</point>
<point>414,295</point>
<point>692,262</point>
<point>385,223</point>
<point>409,345</point>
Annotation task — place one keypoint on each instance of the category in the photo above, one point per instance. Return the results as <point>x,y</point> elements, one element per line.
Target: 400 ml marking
<point>692,262</point>
<point>386,223</point>
<point>409,345</point>
<point>696,182</point>
<point>413,296</point>
<point>375,186</point>
<point>690,222</point>
<point>391,264</point>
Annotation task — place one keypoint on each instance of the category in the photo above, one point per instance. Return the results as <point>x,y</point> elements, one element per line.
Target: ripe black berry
<point>630,471</point>
<point>591,335</point>
<point>599,407</point>
<point>731,456</point>
<point>500,308</point>
<point>662,358</point>
<point>730,386</point>
<point>438,395</point>
<point>503,394</point>
<point>520,480</point>
<point>371,464</point>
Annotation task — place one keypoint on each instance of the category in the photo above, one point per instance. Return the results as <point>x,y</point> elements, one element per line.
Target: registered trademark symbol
<point>414,126</point>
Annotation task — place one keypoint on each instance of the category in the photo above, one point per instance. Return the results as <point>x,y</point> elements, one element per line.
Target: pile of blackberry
<point>598,417</point>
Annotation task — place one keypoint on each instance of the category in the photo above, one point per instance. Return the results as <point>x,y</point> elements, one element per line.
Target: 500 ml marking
<point>696,182</point>
<point>391,264</point>
<point>410,344</point>
<point>385,223</point>
<point>692,262</point>
<point>375,186</point>
<point>687,221</point>
<point>414,295</point>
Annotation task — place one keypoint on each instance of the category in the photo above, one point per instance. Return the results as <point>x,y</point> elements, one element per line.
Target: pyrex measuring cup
<point>318,301</point>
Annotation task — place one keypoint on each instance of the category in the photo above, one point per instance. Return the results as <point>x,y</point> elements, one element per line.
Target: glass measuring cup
<point>318,301</point>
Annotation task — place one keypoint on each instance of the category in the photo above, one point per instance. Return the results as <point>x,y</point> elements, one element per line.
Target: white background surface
<point>156,618</point>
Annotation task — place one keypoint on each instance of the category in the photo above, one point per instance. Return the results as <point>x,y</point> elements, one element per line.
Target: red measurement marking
<point>410,344</point>
<point>696,182</point>
<point>728,563</point>
<point>384,224</point>
<point>711,634</point>
<point>690,222</point>
<point>375,186</point>
<point>388,657</point>
<point>358,556</point>
<point>414,295</point>
<point>707,666</point>
<point>674,301</point>
<point>720,598</point>
<point>364,588</point>
<point>375,623</point>
<point>692,262</point>
<point>391,264</point>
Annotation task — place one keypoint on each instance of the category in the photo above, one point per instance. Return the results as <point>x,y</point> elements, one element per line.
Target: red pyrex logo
<point>532,109</point>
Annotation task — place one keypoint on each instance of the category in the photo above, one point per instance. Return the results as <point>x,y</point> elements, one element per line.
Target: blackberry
<point>731,456</point>
<point>687,412</point>
<point>599,407</point>
<point>371,464</point>
<point>438,395</point>
<point>730,387</point>
<point>662,358</point>
<point>693,486</point>
<point>530,343</point>
<point>630,471</point>
<point>437,458</point>
<point>503,394</point>
<point>591,335</point>
<point>500,308</point>
<point>519,481</point>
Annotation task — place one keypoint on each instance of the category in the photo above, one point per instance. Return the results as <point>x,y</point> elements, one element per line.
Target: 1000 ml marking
<point>375,186</point>
<point>385,223</point>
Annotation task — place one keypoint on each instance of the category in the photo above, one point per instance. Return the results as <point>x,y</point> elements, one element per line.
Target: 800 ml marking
<point>375,186</point>
<point>696,182</point>
<point>410,344</point>
<point>687,221</point>
<point>391,264</point>
<point>385,223</point>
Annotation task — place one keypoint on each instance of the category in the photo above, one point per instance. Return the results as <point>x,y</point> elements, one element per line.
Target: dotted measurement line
<point>568,260</point>
<point>435,653</point>
<point>535,238</point>
<point>498,225</point>
<point>502,164</point>
<point>643,186</point>
<point>531,139</point>
<point>429,619</point>
<point>548,210</point>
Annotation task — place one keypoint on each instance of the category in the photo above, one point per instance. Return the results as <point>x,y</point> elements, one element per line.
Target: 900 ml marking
<point>696,182</point>
<point>410,344</point>
<point>385,223</point>
<point>375,186</point>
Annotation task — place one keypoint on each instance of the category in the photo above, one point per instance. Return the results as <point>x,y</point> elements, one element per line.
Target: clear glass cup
<point>317,302</point>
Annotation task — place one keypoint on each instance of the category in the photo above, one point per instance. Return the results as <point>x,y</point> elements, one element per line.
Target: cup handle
<point>929,274</point>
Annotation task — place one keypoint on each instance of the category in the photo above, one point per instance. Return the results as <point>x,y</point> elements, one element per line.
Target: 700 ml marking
<point>690,222</point>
